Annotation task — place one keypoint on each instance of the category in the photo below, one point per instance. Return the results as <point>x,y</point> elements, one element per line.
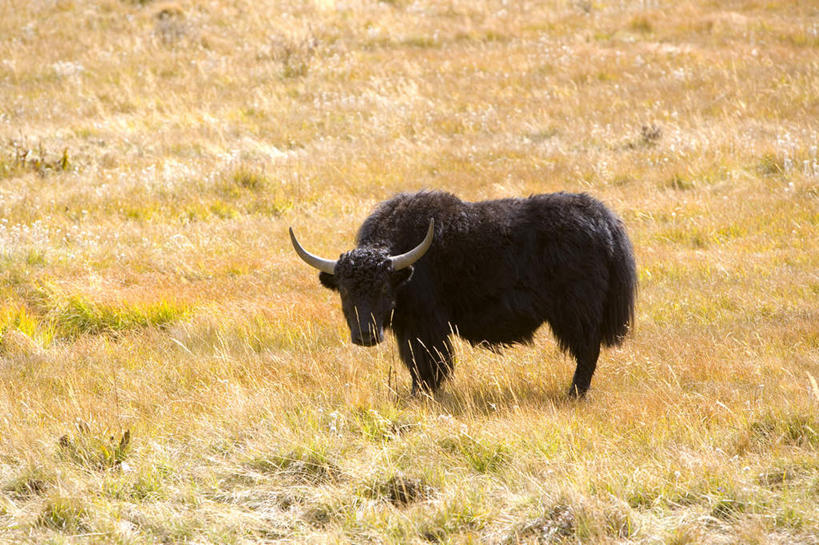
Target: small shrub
<point>170,26</point>
<point>399,490</point>
<point>641,24</point>
<point>293,55</point>
<point>91,450</point>
<point>248,178</point>
<point>650,135</point>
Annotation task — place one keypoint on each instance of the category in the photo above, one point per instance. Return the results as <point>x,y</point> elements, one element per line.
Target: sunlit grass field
<point>171,372</point>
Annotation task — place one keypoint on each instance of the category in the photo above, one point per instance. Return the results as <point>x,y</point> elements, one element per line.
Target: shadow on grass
<point>491,400</point>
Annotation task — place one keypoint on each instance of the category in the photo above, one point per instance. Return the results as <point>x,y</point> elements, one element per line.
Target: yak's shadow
<point>451,399</point>
<point>512,391</point>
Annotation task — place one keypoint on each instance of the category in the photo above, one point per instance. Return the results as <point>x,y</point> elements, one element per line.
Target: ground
<point>170,371</point>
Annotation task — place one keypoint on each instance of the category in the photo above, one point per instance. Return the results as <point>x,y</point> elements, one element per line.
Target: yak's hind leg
<point>430,362</point>
<point>586,357</point>
<point>576,324</point>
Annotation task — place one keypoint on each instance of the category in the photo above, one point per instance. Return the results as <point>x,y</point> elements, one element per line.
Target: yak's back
<point>401,222</point>
<point>483,228</point>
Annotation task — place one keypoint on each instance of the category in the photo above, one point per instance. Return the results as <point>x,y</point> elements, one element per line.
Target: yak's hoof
<point>576,392</point>
<point>423,390</point>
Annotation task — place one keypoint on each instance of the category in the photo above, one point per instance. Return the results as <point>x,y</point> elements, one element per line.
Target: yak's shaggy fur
<point>495,272</point>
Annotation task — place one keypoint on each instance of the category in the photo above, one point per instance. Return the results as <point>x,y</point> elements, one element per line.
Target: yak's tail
<point>618,315</point>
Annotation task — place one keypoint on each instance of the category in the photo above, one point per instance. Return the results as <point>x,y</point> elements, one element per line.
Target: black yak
<point>491,272</point>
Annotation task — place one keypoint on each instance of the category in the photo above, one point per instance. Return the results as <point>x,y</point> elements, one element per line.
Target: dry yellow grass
<point>152,155</point>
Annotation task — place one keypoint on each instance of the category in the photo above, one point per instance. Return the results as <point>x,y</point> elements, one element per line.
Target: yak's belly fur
<point>501,320</point>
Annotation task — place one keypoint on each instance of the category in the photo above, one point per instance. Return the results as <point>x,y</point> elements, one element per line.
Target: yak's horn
<point>405,260</point>
<point>324,265</point>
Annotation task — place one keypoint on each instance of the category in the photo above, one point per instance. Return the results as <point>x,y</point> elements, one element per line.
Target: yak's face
<point>367,283</point>
<point>367,279</point>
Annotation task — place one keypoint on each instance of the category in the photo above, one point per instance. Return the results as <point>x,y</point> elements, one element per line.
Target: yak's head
<point>367,279</point>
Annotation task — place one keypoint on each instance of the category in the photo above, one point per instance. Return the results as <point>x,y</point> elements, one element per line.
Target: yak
<point>491,272</point>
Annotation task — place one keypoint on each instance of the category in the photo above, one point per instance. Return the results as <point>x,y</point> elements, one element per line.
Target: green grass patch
<point>65,514</point>
<point>483,456</point>
<point>141,484</point>
<point>384,425</point>
<point>75,315</point>
<point>678,182</point>
<point>799,430</point>
<point>223,210</point>
<point>23,331</point>
<point>463,513</point>
<point>56,315</point>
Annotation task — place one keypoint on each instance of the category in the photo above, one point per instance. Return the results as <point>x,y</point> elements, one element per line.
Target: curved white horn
<point>324,265</point>
<point>405,260</point>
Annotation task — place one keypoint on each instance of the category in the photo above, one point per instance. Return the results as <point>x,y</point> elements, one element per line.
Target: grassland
<point>171,372</point>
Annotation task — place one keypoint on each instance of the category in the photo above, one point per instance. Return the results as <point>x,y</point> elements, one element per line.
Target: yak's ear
<point>401,276</point>
<point>328,280</point>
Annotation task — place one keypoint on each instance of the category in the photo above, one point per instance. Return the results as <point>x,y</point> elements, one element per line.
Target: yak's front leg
<point>430,362</point>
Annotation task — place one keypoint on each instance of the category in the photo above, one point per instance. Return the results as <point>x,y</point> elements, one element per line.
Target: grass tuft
<point>557,524</point>
<point>30,482</point>
<point>94,450</point>
<point>771,164</point>
<point>801,430</point>
<point>382,426</point>
<point>483,456</point>
<point>63,513</point>
<point>17,159</point>
<point>679,183</point>
<point>303,464</point>
<point>399,490</point>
